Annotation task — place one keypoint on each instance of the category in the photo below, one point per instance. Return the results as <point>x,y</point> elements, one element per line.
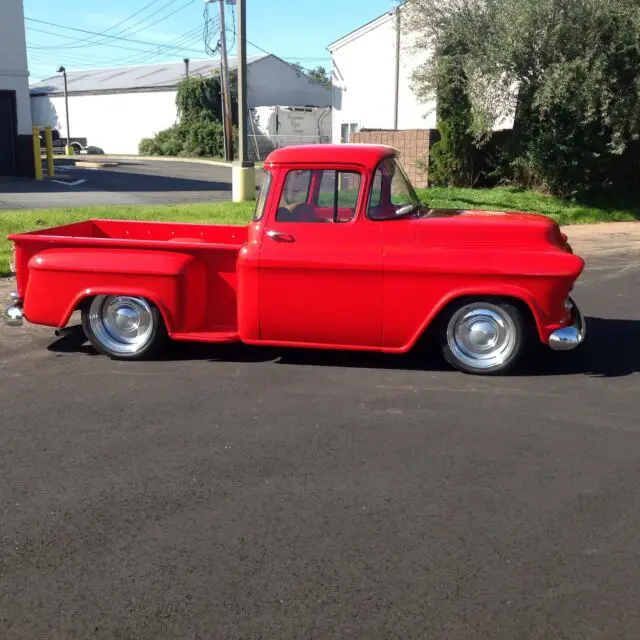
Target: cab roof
<point>367,155</point>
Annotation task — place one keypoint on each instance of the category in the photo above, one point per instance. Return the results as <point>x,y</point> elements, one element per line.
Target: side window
<point>262,198</point>
<point>391,192</point>
<point>386,190</point>
<point>319,196</point>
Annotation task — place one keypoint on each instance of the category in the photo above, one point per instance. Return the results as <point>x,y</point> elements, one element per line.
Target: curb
<point>215,163</point>
<point>113,157</point>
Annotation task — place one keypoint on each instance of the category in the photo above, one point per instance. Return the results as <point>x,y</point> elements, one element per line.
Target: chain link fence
<point>261,145</point>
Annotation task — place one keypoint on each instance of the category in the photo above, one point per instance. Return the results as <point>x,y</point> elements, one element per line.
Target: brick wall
<point>412,144</point>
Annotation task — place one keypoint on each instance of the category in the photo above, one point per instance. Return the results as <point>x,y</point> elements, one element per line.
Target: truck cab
<point>340,254</point>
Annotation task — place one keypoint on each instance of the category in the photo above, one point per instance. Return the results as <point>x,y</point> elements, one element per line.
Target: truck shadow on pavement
<point>611,349</point>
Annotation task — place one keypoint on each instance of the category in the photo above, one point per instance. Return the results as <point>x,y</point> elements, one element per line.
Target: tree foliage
<point>321,75</point>
<point>318,74</point>
<point>199,131</point>
<point>200,96</point>
<point>452,156</point>
<point>566,72</point>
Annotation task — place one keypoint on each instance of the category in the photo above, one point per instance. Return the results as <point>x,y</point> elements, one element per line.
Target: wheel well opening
<point>432,329</point>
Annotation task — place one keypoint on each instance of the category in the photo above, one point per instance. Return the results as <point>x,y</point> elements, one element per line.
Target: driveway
<point>130,182</point>
<point>241,493</point>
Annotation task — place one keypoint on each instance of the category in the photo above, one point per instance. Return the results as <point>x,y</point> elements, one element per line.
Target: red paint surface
<point>356,283</point>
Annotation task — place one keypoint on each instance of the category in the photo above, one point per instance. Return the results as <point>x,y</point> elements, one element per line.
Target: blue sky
<point>169,30</point>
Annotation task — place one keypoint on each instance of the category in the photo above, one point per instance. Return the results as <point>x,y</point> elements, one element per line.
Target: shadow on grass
<point>612,349</point>
<point>611,203</point>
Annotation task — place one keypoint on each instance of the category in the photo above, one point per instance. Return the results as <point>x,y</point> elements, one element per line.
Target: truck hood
<point>474,227</point>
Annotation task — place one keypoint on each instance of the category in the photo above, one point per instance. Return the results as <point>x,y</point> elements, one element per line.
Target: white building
<point>372,69</point>
<point>16,148</point>
<point>115,108</point>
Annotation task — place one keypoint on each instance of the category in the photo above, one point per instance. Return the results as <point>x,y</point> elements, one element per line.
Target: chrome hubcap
<point>123,324</point>
<point>481,335</point>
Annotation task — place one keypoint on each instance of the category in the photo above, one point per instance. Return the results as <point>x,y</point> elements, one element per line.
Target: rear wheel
<point>123,327</point>
<point>483,337</point>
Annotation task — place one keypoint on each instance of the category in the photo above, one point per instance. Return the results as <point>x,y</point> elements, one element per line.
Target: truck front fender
<point>503,290</point>
<point>60,279</point>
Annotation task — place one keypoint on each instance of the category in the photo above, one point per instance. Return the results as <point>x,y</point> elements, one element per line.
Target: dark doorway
<point>8,127</point>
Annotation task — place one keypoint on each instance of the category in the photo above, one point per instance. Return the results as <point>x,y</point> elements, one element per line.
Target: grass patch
<point>562,211</point>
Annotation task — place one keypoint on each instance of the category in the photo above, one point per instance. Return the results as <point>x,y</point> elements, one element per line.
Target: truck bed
<point>215,248</point>
<point>125,232</point>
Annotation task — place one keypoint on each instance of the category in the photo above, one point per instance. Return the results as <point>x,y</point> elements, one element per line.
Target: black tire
<point>106,342</point>
<point>469,323</point>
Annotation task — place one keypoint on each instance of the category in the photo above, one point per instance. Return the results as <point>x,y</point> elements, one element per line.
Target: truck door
<point>320,264</point>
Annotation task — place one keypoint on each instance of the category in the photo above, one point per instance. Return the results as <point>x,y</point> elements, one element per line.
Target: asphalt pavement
<point>130,182</point>
<point>241,493</point>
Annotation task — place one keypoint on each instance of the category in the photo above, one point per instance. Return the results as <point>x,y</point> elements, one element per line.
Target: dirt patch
<point>604,239</point>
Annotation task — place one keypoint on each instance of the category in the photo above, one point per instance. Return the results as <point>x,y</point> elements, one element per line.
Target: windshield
<point>392,195</point>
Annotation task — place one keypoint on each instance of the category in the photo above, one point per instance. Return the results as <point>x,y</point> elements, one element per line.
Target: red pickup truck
<point>341,254</point>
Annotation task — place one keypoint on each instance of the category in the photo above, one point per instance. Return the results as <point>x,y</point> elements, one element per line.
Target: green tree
<point>321,75</point>
<point>566,71</point>
<point>452,157</point>
<point>200,96</point>
<point>318,74</point>
<point>199,131</point>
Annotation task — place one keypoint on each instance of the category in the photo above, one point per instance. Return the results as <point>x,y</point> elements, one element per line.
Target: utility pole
<point>244,173</point>
<point>226,106</point>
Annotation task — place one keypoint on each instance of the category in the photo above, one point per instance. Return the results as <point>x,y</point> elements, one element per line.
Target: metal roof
<point>137,78</point>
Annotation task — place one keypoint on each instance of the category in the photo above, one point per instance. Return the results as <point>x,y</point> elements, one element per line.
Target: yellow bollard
<point>37,154</point>
<point>243,183</point>
<point>49,144</point>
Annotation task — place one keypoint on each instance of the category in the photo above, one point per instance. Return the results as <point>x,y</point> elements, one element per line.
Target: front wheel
<point>483,337</point>
<point>123,327</point>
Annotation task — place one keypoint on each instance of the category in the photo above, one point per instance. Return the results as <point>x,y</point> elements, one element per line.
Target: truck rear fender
<point>165,278</point>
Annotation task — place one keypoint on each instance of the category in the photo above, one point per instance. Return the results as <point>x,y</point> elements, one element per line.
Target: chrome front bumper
<point>13,314</point>
<point>572,335</point>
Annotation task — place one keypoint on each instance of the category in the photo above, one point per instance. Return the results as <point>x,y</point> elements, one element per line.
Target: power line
<point>166,17</point>
<point>95,33</point>
<point>256,46</point>
<point>70,58</point>
<point>115,26</point>
<point>181,44</point>
<point>106,44</point>
<point>210,29</point>
<point>104,36</point>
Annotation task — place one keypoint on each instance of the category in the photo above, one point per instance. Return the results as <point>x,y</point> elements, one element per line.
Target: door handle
<point>278,236</point>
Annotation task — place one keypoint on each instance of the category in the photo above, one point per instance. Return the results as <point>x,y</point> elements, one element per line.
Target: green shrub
<point>199,132</point>
<point>452,157</point>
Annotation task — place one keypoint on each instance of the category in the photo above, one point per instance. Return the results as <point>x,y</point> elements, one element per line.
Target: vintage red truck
<point>340,254</point>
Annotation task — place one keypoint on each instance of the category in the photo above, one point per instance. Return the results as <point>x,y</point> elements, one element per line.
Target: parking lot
<point>228,492</point>
<point>129,182</point>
